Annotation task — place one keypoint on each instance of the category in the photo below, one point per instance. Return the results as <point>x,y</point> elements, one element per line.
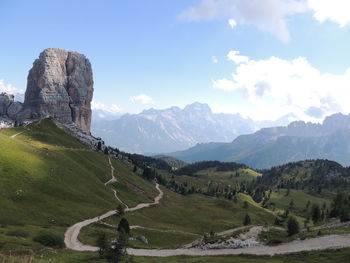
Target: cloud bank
<point>142,98</point>
<point>270,16</point>
<point>8,88</point>
<point>276,87</point>
<point>333,10</point>
<point>111,109</point>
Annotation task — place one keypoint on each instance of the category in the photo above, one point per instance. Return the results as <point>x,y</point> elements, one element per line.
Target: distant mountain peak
<point>199,107</point>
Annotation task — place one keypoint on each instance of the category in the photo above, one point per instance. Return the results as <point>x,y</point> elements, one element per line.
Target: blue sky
<point>289,56</point>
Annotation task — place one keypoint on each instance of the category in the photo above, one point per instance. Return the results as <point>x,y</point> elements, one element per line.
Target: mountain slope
<point>274,146</point>
<point>49,180</point>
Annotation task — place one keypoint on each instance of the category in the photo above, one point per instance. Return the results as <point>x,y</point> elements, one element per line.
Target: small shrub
<point>49,240</point>
<point>18,233</point>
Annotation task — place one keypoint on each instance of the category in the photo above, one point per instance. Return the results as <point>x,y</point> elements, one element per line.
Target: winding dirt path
<point>319,243</point>
<point>71,236</point>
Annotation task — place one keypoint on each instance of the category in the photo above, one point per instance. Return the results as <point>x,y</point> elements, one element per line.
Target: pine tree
<point>102,243</point>
<point>291,204</point>
<point>123,226</point>
<point>292,226</point>
<point>245,204</point>
<point>315,213</point>
<point>247,220</point>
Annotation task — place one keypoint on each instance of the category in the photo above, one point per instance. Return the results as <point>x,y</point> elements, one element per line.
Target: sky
<point>260,58</point>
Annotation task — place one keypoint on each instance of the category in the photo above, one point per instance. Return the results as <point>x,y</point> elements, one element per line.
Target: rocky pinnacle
<point>60,85</point>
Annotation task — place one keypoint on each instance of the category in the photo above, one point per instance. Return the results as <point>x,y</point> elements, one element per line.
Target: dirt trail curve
<point>71,236</point>
<point>113,179</point>
<point>324,242</point>
<point>14,136</point>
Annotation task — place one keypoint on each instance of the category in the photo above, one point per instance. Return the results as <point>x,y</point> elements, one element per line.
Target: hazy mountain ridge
<point>274,146</point>
<point>172,129</point>
<point>175,129</point>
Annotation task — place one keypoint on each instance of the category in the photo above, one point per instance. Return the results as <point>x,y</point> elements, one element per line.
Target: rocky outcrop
<point>8,107</point>
<point>60,85</point>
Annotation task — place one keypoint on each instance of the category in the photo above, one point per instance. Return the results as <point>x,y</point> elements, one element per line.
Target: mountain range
<point>275,146</point>
<point>175,129</point>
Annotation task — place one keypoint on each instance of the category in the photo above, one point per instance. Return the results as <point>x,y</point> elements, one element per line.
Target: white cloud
<point>214,59</point>
<point>111,109</point>
<point>268,15</point>
<point>142,98</point>
<point>276,87</point>
<point>19,94</point>
<point>234,56</point>
<point>232,23</point>
<point>333,10</point>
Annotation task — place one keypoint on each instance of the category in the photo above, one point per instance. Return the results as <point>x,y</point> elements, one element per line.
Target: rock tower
<point>60,85</point>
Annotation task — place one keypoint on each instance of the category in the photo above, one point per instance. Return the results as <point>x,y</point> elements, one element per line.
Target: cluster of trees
<point>192,169</point>
<point>114,249</point>
<point>146,161</point>
<point>313,175</point>
<point>229,192</point>
<point>341,207</point>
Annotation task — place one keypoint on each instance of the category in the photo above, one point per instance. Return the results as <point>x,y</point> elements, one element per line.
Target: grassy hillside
<point>49,181</point>
<point>301,201</point>
<point>198,214</point>
<point>192,214</point>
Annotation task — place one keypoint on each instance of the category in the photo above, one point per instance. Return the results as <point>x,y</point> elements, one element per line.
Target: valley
<point>215,197</point>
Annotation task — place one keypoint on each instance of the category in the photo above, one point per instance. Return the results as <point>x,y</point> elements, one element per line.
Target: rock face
<point>60,85</point>
<point>8,107</point>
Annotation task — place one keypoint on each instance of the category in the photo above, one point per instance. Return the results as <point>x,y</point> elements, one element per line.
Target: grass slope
<point>280,200</point>
<point>49,181</point>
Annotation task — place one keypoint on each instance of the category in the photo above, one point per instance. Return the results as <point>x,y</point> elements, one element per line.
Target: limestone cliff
<point>60,85</point>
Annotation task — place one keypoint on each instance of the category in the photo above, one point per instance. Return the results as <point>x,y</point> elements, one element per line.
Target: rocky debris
<point>92,142</point>
<point>143,239</point>
<point>232,243</point>
<point>60,85</point>
<point>243,240</point>
<point>6,123</point>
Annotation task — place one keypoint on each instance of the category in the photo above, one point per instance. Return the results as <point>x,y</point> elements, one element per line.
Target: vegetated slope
<point>211,178</point>
<point>173,162</point>
<point>49,180</point>
<point>275,146</point>
<point>179,219</point>
<point>298,202</point>
<point>313,175</point>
